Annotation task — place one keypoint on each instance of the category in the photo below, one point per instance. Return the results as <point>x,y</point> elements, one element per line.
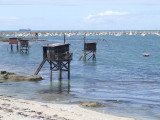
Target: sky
<point>80,14</point>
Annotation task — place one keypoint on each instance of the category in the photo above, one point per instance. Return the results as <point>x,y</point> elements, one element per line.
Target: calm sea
<point>125,81</point>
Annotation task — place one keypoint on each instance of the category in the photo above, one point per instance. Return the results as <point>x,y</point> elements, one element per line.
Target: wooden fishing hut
<point>35,35</point>
<point>59,58</point>
<point>89,49</point>
<point>13,41</point>
<point>24,45</point>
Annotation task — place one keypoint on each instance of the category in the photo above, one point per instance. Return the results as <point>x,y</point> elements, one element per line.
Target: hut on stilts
<point>13,41</point>
<point>58,57</point>
<point>89,51</point>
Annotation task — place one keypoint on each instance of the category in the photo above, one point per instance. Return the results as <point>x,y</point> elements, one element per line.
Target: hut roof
<point>56,45</point>
<point>24,40</point>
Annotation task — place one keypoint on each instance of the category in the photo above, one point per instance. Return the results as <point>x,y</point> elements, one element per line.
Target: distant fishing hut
<point>35,35</point>
<point>89,49</point>
<point>59,58</point>
<point>13,41</point>
<point>24,45</point>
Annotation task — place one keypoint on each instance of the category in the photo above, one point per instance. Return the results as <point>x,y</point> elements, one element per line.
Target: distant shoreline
<point>30,39</point>
<point>71,30</point>
<point>74,31</point>
<point>80,32</point>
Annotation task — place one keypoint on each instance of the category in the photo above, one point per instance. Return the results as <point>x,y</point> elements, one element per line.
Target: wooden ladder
<point>40,66</point>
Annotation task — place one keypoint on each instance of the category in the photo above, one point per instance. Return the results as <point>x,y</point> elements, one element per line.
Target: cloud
<point>89,17</point>
<point>112,13</point>
<point>104,15</point>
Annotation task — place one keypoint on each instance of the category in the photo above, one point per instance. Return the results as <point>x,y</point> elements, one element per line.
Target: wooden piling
<point>11,47</point>
<point>60,70</point>
<point>68,69</point>
<point>17,47</point>
<point>50,71</point>
<point>68,86</point>
<point>84,55</point>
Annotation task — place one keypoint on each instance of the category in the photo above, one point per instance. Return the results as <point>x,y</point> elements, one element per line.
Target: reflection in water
<point>56,92</point>
<point>68,86</point>
<point>60,87</point>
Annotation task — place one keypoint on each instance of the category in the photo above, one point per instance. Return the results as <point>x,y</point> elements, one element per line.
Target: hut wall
<point>90,46</point>
<point>24,43</point>
<point>57,53</point>
<point>13,41</point>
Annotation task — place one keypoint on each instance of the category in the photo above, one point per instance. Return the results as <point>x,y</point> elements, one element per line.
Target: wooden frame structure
<point>89,48</point>
<point>24,45</point>
<point>59,58</point>
<point>13,41</point>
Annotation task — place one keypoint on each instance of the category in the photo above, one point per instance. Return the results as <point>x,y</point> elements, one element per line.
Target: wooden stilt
<point>94,56</point>
<point>17,47</point>
<point>60,70</point>
<point>60,86</point>
<point>50,71</point>
<point>68,86</point>
<point>68,69</point>
<point>11,47</point>
<point>84,56</point>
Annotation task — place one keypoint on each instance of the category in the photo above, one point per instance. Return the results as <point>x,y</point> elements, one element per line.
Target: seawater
<point>126,82</point>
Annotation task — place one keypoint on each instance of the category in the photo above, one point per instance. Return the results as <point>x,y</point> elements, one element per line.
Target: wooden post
<point>84,55</point>
<point>60,70</point>
<point>50,71</point>
<point>85,39</point>
<point>60,86</point>
<point>11,47</point>
<point>26,50</point>
<point>17,47</point>
<point>68,86</point>
<point>68,69</point>
<point>94,56</point>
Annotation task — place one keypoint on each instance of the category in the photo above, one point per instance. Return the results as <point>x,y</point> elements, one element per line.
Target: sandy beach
<point>17,109</point>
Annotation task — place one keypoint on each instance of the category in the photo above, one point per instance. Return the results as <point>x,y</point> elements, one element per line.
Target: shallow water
<point>121,78</point>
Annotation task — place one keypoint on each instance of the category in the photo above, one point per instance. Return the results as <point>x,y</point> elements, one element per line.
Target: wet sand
<point>17,109</point>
